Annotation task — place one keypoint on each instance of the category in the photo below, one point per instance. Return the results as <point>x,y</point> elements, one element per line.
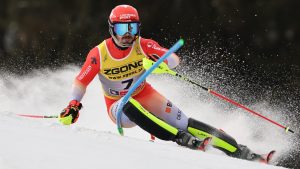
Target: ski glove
<point>70,114</point>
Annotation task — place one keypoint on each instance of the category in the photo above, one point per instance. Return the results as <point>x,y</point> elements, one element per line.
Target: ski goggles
<point>122,28</point>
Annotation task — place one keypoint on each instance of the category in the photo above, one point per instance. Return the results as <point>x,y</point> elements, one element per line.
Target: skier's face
<point>126,32</point>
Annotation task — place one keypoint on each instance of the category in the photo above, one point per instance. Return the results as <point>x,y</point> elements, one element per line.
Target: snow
<point>93,142</point>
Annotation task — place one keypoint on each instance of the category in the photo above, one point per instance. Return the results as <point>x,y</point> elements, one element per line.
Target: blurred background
<point>52,33</point>
<point>250,47</point>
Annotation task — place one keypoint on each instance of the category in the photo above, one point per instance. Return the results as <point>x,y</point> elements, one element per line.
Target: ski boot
<point>245,153</point>
<point>186,139</point>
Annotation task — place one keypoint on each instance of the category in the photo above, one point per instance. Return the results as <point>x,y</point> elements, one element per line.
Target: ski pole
<point>125,98</point>
<point>38,116</point>
<point>163,68</point>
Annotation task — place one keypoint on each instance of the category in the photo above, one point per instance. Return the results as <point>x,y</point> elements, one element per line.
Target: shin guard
<point>220,139</point>
<point>147,121</point>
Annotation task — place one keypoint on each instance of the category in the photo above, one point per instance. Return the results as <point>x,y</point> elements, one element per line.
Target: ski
<point>267,157</point>
<point>204,144</point>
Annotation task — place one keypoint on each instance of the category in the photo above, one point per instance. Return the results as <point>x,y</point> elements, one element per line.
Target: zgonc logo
<point>123,68</point>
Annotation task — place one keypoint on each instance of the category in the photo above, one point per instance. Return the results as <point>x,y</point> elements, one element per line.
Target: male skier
<point>118,63</point>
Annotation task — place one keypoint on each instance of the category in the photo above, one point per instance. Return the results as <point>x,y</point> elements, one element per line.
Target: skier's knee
<point>125,121</point>
<point>147,121</point>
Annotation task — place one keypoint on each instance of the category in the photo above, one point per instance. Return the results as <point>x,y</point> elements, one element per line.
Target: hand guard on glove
<point>70,114</point>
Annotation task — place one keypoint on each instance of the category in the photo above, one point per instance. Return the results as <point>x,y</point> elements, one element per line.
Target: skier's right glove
<point>70,114</point>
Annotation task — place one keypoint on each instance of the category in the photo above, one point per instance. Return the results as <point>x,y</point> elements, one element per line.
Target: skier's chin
<point>127,40</point>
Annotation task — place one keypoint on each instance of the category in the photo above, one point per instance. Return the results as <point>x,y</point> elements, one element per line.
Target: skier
<point>118,63</point>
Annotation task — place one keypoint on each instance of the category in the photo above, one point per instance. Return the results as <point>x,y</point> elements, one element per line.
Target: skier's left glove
<point>70,114</point>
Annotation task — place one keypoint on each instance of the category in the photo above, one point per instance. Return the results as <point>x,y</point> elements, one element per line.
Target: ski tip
<point>269,156</point>
<point>205,143</point>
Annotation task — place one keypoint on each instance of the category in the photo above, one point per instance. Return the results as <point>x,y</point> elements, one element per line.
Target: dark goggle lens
<point>122,28</point>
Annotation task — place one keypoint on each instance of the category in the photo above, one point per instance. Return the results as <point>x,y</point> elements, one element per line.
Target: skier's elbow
<point>173,61</point>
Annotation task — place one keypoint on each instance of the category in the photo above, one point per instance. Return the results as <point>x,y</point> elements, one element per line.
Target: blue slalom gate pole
<point>124,100</point>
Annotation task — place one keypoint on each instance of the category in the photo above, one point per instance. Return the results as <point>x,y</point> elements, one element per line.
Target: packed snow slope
<point>93,142</point>
<point>28,144</point>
